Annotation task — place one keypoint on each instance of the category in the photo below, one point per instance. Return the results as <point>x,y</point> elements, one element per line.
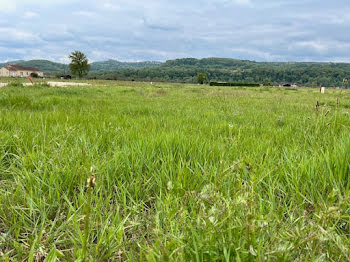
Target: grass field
<point>183,173</point>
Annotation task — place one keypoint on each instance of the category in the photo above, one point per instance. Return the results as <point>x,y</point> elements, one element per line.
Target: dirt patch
<point>53,84</point>
<point>67,84</point>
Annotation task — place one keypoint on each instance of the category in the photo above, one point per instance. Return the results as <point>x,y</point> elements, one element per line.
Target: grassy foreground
<point>183,173</point>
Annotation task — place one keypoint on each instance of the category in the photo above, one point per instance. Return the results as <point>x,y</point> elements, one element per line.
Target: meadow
<point>129,171</point>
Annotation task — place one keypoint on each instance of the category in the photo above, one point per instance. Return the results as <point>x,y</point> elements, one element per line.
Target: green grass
<point>183,173</point>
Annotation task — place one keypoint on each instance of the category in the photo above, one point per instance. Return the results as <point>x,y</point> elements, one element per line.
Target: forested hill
<point>228,63</point>
<point>225,69</point>
<point>217,69</point>
<point>113,65</point>
<point>104,66</point>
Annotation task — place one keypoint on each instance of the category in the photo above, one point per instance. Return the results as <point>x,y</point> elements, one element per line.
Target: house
<point>19,71</point>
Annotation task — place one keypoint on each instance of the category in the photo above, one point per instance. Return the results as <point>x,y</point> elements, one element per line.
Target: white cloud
<point>243,2</point>
<point>29,14</point>
<point>7,6</point>
<point>64,59</point>
<point>257,53</point>
<point>85,13</point>
<point>14,34</point>
<point>165,29</point>
<point>111,6</point>
<point>316,45</point>
<point>236,2</point>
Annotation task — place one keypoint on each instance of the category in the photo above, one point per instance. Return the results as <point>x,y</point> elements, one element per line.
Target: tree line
<point>302,76</point>
<point>191,70</point>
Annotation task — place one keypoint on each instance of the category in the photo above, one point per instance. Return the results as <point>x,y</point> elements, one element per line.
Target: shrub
<point>202,78</point>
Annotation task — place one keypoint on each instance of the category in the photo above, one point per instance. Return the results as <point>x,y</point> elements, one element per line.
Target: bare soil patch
<point>67,84</point>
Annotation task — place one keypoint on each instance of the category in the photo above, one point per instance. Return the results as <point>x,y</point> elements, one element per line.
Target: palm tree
<point>79,63</point>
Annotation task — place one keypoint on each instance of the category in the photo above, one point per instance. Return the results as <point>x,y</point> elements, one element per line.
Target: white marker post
<point>323,90</point>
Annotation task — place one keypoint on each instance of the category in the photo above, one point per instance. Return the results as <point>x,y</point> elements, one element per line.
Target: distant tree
<point>202,78</point>
<point>267,82</point>
<point>79,64</point>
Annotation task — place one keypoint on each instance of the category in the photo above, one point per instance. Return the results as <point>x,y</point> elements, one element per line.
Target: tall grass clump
<point>188,174</point>
<point>15,83</point>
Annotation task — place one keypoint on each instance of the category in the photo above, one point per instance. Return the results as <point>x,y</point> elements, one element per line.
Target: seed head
<point>91,181</point>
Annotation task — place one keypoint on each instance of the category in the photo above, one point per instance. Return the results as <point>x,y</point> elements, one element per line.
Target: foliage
<point>100,66</point>
<point>79,64</point>
<point>217,69</point>
<point>113,65</point>
<point>202,78</point>
<point>266,82</point>
<point>191,174</point>
<point>231,70</point>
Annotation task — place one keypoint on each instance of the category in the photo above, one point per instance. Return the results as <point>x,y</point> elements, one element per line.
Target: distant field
<point>183,173</point>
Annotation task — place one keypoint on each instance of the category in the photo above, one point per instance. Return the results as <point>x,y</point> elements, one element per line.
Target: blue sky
<point>135,30</point>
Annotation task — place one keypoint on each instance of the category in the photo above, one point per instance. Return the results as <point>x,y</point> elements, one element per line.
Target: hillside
<point>104,66</point>
<point>114,65</point>
<point>232,70</point>
<point>45,65</point>
<point>217,69</point>
<point>228,63</point>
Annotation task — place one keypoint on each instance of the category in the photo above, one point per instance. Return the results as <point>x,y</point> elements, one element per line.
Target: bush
<point>202,78</point>
<point>267,82</point>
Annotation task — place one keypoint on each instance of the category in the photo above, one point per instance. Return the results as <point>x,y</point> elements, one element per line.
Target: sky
<point>159,30</point>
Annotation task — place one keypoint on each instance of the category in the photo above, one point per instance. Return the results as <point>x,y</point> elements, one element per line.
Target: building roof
<point>24,68</point>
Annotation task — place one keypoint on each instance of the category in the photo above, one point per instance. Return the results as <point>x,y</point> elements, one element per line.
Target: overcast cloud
<point>134,30</point>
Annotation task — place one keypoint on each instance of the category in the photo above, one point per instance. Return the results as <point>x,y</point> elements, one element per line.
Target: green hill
<point>45,65</point>
<point>228,63</point>
<point>114,65</point>
<point>233,70</point>
<point>217,69</point>
<point>104,66</point>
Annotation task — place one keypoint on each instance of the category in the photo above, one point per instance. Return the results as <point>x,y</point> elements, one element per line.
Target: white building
<point>19,71</point>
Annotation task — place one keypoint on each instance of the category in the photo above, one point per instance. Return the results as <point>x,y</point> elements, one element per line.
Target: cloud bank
<point>132,30</point>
